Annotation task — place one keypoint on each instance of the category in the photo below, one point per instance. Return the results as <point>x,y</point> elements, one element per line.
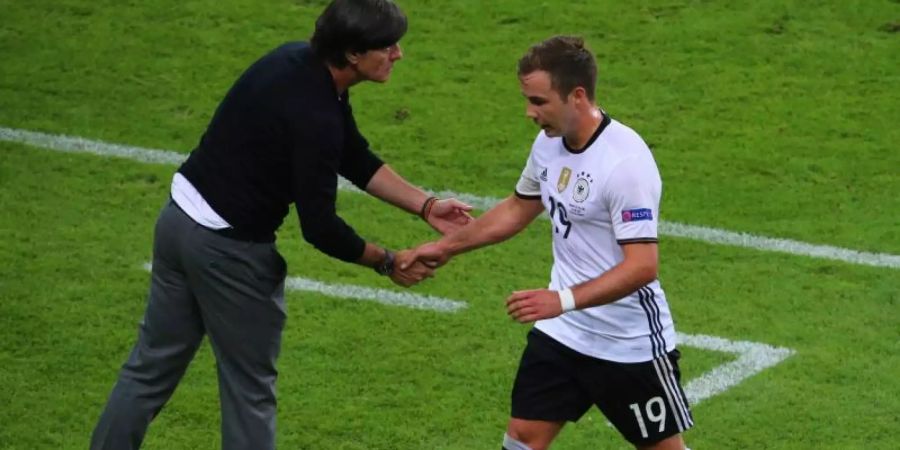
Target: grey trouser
<point>203,283</point>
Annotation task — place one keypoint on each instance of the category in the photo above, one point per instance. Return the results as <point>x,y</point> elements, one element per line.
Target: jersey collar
<point>603,124</point>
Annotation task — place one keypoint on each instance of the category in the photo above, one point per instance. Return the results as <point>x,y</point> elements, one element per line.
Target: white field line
<point>383,296</point>
<point>72,144</point>
<point>752,357</point>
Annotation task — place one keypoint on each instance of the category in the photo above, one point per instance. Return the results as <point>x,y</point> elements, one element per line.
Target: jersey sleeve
<point>529,187</point>
<point>632,194</point>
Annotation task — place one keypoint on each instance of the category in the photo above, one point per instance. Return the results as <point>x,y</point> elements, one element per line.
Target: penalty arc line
<point>751,357</point>
<point>73,144</point>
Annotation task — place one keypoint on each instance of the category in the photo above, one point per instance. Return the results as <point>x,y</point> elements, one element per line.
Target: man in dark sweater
<point>282,135</point>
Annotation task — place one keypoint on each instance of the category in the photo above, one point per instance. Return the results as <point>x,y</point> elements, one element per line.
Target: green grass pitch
<point>772,118</point>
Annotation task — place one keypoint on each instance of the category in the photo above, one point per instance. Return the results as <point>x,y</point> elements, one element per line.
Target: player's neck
<point>585,128</point>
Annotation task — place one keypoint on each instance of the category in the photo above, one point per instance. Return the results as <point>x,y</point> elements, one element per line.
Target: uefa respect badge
<point>634,215</point>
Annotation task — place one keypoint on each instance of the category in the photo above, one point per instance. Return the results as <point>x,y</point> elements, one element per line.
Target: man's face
<point>376,65</point>
<point>545,107</point>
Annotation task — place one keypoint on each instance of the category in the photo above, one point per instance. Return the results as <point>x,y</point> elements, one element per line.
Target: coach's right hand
<point>408,271</point>
<point>432,254</point>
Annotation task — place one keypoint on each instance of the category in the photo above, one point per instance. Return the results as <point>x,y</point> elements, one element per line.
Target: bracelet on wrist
<point>426,207</point>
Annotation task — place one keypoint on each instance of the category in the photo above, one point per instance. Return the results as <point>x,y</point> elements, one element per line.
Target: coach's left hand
<point>448,215</point>
<point>532,305</point>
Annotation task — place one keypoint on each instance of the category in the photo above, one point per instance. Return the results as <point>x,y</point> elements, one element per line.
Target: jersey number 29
<point>558,212</point>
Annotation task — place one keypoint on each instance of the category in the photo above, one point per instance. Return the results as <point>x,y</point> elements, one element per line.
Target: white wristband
<point>566,300</point>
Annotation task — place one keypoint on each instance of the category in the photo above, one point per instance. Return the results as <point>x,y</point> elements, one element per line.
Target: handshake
<point>451,218</point>
<point>411,266</point>
<point>446,217</point>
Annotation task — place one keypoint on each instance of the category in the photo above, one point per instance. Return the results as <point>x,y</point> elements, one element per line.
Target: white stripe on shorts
<point>675,406</point>
<point>678,394</point>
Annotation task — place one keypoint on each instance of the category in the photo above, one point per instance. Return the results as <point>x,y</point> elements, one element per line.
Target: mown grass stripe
<point>74,144</point>
<point>752,357</point>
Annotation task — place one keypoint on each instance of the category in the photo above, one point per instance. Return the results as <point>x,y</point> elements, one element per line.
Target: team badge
<point>563,182</point>
<point>582,187</point>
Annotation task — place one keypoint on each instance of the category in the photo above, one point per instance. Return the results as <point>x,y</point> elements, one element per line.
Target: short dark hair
<point>569,63</point>
<point>356,26</point>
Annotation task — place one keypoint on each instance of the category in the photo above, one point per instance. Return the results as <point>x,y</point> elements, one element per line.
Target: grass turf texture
<point>772,120</point>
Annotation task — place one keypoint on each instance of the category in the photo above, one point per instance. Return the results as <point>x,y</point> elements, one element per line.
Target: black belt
<point>234,233</point>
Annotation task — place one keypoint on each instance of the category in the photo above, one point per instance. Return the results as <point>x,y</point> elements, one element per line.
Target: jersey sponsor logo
<point>634,215</point>
<point>582,187</point>
<point>563,181</point>
<point>544,174</point>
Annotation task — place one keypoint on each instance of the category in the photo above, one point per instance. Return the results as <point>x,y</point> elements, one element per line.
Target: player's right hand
<point>408,271</point>
<point>432,254</point>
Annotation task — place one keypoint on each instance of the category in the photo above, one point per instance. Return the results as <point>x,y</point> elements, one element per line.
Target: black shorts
<point>644,401</point>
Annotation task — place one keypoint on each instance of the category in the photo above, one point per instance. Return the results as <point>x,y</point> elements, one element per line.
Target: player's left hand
<point>532,305</point>
<point>448,215</point>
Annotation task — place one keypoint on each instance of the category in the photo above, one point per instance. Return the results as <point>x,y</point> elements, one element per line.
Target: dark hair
<point>567,61</point>
<point>356,26</point>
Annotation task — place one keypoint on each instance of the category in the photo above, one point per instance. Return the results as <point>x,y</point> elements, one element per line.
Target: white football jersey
<point>599,198</point>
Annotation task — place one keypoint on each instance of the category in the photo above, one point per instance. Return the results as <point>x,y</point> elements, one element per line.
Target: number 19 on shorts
<point>656,413</point>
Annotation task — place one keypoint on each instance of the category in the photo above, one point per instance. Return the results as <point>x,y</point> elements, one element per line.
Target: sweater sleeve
<point>315,165</point>
<point>358,163</point>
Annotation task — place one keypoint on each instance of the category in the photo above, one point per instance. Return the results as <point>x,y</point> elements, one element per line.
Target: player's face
<point>376,65</point>
<point>545,106</point>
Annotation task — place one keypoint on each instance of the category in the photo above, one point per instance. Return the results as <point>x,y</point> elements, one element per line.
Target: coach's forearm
<point>392,188</point>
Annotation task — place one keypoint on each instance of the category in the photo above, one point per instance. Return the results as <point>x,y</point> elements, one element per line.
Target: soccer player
<point>603,333</point>
<point>281,136</point>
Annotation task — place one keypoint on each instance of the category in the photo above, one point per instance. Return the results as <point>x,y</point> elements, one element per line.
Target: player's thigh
<point>546,387</point>
<point>644,401</point>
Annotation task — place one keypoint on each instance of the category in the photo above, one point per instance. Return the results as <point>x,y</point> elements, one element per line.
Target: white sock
<point>511,444</point>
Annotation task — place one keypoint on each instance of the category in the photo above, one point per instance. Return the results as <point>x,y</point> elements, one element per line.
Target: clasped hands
<point>445,216</point>
<point>412,267</point>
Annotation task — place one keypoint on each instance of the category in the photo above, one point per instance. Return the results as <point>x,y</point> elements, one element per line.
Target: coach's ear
<point>352,57</point>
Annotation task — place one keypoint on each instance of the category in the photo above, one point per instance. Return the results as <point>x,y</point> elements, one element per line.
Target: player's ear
<point>352,57</point>
<point>579,95</point>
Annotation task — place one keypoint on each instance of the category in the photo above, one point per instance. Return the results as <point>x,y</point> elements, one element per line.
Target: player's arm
<point>632,196</point>
<point>638,268</point>
<point>500,223</point>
